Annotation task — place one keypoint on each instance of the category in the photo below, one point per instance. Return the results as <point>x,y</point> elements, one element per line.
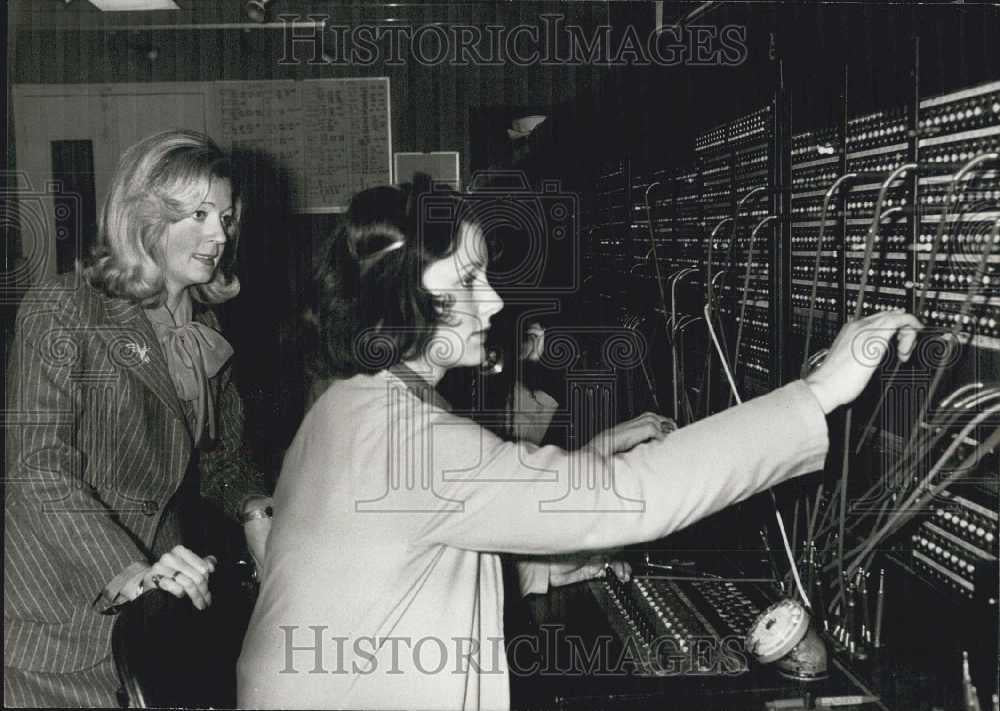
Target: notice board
<point>333,136</point>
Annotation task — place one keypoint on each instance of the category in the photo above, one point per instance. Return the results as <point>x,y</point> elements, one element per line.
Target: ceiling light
<point>129,5</point>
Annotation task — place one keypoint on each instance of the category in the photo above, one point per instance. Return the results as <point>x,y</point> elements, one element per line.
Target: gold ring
<point>155,579</point>
<point>174,576</point>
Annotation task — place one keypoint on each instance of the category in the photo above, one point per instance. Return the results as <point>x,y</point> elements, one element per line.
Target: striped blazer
<point>102,472</point>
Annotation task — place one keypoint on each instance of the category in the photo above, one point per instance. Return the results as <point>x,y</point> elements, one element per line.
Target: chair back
<point>169,654</point>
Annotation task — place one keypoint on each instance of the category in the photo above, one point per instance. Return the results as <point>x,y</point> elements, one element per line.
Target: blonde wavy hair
<point>160,180</point>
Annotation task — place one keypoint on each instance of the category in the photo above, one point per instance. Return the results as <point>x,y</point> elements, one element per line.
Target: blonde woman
<point>126,414</point>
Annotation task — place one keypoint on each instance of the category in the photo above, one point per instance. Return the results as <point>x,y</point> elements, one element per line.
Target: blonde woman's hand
<point>182,573</point>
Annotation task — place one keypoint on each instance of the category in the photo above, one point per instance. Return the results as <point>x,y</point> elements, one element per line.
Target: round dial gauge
<point>777,630</point>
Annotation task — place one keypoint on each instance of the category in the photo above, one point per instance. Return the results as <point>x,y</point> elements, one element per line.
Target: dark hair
<point>373,311</point>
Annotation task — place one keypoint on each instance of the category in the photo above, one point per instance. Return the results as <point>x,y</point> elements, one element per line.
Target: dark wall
<point>807,48</point>
<point>431,104</point>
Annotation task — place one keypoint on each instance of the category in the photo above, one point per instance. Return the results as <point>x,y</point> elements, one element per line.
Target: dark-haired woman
<point>381,585</point>
<point>126,414</point>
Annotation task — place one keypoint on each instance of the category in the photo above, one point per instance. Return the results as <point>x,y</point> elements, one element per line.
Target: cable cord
<point>674,328</point>
<point>889,491</point>
<point>924,490</point>
<point>960,175</point>
<point>938,430</point>
<point>710,295</point>
<point>849,412</point>
<point>905,514</point>
<point>731,251</point>
<point>819,251</point>
<point>633,323</point>
<point>710,299</point>
<point>942,430</point>
<point>746,290</point>
<point>930,440</point>
<point>724,273</point>
<point>973,291</point>
<point>840,503</point>
<point>688,409</point>
<point>774,500</point>
<point>656,257</point>
<point>950,340</point>
<point>913,504</point>
<point>939,233</point>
